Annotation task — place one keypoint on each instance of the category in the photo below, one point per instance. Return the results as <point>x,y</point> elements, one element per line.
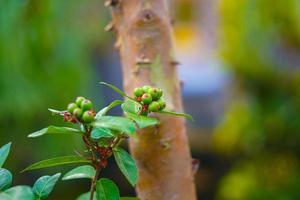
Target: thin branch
<point>94,182</point>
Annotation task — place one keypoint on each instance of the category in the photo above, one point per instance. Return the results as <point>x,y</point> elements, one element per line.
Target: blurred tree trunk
<point>144,40</point>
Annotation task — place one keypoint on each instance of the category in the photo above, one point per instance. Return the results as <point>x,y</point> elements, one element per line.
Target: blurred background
<point>240,69</point>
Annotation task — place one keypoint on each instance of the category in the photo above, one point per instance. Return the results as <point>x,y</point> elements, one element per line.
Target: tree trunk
<point>144,40</point>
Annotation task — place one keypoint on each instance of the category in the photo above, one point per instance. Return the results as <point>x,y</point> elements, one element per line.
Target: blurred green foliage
<point>260,44</point>
<point>46,50</point>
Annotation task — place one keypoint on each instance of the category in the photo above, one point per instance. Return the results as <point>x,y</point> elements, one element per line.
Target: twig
<point>94,182</point>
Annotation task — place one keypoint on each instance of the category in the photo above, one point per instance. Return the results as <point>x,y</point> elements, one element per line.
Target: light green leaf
<point>86,196</point>
<point>107,190</point>
<point>120,124</point>
<point>4,151</point>
<point>17,193</point>
<point>85,171</point>
<point>55,130</point>
<point>104,110</point>
<point>176,114</point>
<point>5,179</point>
<point>116,90</point>
<point>143,121</point>
<point>82,128</point>
<point>4,196</point>
<point>130,106</point>
<point>57,112</point>
<point>129,198</point>
<point>104,141</point>
<point>98,133</point>
<point>126,165</point>
<point>44,186</point>
<point>64,160</point>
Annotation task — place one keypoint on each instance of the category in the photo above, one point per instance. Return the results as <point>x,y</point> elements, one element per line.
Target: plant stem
<point>115,142</point>
<point>94,182</point>
<point>98,163</point>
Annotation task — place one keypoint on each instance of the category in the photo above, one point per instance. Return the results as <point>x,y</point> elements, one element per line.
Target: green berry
<point>146,98</point>
<point>154,106</point>
<point>88,116</point>
<point>154,93</point>
<point>138,91</point>
<point>86,105</point>
<point>77,112</point>
<point>79,100</point>
<point>72,107</point>
<point>159,93</point>
<point>162,104</point>
<point>146,88</point>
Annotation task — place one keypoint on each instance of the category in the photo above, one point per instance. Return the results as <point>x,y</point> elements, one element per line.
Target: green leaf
<point>57,112</point>
<point>104,110</point>
<point>104,141</point>
<point>176,114</point>
<point>17,193</point>
<point>116,90</point>
<point>64,160</point>
<point>129,198</point>
<point>107,190</point>
<point>126,165</point>
<point>55,130</point>
<point>85,171</point>
<point>4,151</point>
<point>86,196</point>
<point>130,106</point>
<point>5,179</point>
<point>143,121</point>
<point>98,133</point>
<point>44,186</point>
<point>120,124</point>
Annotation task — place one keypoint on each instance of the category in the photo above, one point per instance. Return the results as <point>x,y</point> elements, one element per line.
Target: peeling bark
<point>144,40</point>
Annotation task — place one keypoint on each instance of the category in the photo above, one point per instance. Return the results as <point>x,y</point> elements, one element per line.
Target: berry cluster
<point>81,111</point>
<point>150,98</point>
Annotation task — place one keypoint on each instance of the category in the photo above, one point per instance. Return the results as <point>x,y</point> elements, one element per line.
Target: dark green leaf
<point>129,198</point>
<point>44,186</point>
<point>130,106</point>
<point>143,121</point>
<point>86,196</point>
<point>107,190</point>
<point>98,133</point>
<point>85,171</point>
<point>116,89</point>
<point>176,114</point>
<point>126,165</point>
<point>64,160</point>
<point>5,179</point>
<point>104,110</point>
<point>4,151</point>
<point>120,124</point>
<point>55,130</point>
<point>17,193</point>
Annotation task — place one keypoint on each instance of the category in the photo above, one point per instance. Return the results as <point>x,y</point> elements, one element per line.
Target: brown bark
<point>144,40</point>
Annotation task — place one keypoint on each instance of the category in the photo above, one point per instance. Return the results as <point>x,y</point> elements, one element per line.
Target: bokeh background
<point>240,69</point>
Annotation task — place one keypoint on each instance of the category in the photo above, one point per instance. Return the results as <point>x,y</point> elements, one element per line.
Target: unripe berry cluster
<point>150,98</point>
<point>82,110</point>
